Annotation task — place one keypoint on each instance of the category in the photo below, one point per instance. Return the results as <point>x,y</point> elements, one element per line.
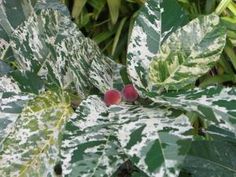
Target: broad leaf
<point>51,4</point>
<point>216,104</point>
<point>11,105</point>
<point>156,140</point>
<point>98,140</point>
<point>90,146</point>
<point>31,146</point>
<point>156,20</point>
<point>12,14</point>
<point>4,68</point>
<point>50,46</point>
<point>7,84</point>
<point>187,54</point>
<point>214,157</point>
<point>105,74</point>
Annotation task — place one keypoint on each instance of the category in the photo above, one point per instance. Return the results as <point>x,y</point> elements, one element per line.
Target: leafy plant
<point>224,71</point>
<point>173,129</point>
<point>107,22</point>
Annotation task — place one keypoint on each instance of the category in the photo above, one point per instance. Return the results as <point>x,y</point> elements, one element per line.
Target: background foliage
<point>110,26</point>
<point>107,22</point>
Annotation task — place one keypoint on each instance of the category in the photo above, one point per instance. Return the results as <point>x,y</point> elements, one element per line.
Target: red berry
<point>129,93</point>
<point>112,97</point>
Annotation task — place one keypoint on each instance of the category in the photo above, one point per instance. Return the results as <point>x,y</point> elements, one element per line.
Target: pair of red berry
<point>114,96</point>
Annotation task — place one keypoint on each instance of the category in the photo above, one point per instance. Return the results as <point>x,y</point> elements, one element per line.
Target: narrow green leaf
<point>77,7</point>
<point>210,6</point>
<point>117,36</point>
<point>222,6</point>
<point>187,54</point>
<point>31,147</point>
<point>101,37</point>
<point>229,50</point>
<point>98,6</point>
<point>114,7</point>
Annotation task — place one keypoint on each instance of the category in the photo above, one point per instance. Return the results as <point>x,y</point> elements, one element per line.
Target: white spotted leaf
<point>215,104</point>
<point>155,22</point>
<point>187,54</point>
<point>31,146</point>
<point>11,106</point>
<point>105,74</point>
<point>98,140</point>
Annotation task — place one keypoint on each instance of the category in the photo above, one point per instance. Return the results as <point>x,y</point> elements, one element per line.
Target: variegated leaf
<point>50,46</point>
<point>31,147</point>
<point>105,74</point>
<point>216,104</point>
<point>51,4</point>
<point>75,53</point>
<point>9,10</point>
<point>156,140</point>
<point>11,105</point>
<point>156,20</point>
<point>90,146</point>
<point>7,84</point>
<point>187,54</point>
<point>98,140</point>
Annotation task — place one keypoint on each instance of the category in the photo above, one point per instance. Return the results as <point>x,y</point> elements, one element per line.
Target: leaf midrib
<point>47,144</point>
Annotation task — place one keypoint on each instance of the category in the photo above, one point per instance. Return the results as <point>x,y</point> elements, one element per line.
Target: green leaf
<point>187,54</point>
<point>114,7</point>
<point>4,68</point>
<point>98,139</point>
<point>77,7</point>
<point>156,20</point>
<point>31,146</point>
<point>214,157</point>
<point>215,104</point>
<point>117,36</point>
<point>97,6</point>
